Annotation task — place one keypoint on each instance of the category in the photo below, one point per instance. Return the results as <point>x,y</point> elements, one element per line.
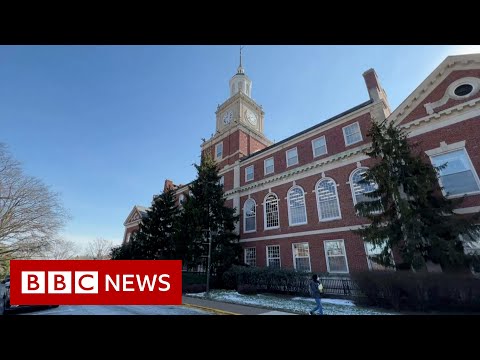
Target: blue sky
<point>106,125</point>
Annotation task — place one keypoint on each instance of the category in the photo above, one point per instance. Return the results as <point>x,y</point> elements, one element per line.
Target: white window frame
<point>326,256</point>
<point>286,156</point>
<point>318,200</point>
<point>246,173</point>
<point>433,153</point>
<point>279,255</point>
<point>294,258</point>
<point>265,166</point>
<point>354,198</point>
<point>313,146</point>
<point>245,255</point>
<point>304,206</point>
<point>265,212</point>
<point>345,135</point>
<point>245,231</point>
<point>217,147</point>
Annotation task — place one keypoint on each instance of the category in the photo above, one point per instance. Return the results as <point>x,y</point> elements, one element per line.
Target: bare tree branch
<point>30,213</point>
<point>61,249</point>
<point>99,249</point>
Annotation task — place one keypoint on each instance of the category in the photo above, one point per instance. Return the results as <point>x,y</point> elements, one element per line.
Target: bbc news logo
<point>95,282</point>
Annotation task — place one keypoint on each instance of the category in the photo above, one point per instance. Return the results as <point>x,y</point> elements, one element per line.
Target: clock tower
<point>239,123</point>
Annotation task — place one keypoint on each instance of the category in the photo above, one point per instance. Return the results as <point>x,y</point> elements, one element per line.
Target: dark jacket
<point>314,288</point>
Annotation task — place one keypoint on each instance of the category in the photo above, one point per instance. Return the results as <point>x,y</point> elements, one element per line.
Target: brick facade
<point>450,120</point>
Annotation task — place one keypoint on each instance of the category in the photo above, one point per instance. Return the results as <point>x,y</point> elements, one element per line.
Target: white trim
<point>217,146</point>
<point>279,254</point>
<point>303,233</point>
<point>472,169</point>
<point>318,200</point>
<point>265,212</point>
<point>304,204</point>
<point>245,216</point>
<point>345,135</point>
<point>309,257</point>
<point>265,166</point>
<point>286,157</point>
<point>313,168</point>
<point>444,148</point>
<point>467,210</point>
<point>253,173</point>
<point>313,146</point>
<point>326,257</point>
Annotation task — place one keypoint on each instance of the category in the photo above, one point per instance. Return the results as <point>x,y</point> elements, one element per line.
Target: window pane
<point>271,211</point>
<point>327,200</point>
<point>249,172</point>
<point>302,264</point>
<point>334,248</point>
<point>298,214</point>
<point>292,157</point>
<point>250,215</point>
<point>337,264</point>
<point>251,256</point>
<point>362,188</point>
<point>273,256</point>
<point>269,166</point>
<point>457,177</point>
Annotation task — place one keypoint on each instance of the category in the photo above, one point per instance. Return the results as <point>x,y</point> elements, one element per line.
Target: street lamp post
<point>208,261</point>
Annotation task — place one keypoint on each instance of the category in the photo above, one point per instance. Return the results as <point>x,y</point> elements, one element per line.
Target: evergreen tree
<point>407,210</point>
<point>204,211</point>
<point>155,239</point>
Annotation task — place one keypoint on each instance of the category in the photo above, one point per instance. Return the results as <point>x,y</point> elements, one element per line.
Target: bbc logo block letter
<point>33,282</point>
<point>60,282</point>
<point>86,282</point>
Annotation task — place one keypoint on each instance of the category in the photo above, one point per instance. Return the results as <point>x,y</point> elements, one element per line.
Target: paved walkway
<point>222,308</point>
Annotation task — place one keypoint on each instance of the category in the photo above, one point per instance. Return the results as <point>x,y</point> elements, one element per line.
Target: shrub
<point>194,288</point>
<point>419,291</point>
<point>247,289</point>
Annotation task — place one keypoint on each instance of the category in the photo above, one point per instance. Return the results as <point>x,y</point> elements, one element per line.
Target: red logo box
<point>96,282</point>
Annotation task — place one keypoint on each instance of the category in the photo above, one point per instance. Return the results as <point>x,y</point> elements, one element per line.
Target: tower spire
<point>240,69</point>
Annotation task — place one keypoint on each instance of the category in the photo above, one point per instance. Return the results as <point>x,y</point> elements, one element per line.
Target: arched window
<point>249,215</point>
<point>327,200</point>
<point>181,200</point>
<point>272,220</point>
<point>360,189</point>
<point>297,213</point>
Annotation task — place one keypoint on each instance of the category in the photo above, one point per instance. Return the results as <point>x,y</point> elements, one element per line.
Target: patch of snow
<point>299,305</point>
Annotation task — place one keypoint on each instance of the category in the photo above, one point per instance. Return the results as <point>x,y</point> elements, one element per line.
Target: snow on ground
<point>299,305</point>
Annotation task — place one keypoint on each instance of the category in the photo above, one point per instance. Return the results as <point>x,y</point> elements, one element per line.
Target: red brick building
<point>296,197</point>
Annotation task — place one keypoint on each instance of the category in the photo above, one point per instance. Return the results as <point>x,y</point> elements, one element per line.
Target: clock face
<point>251,117</point>
<point>228,117</point>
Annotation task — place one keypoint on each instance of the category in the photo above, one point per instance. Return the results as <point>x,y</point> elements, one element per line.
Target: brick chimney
<point>168,185</point>
<point>375,90</point>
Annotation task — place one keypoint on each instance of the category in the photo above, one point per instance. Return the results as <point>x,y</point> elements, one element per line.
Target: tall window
<point>251,256</point>
<point>352,134</point>
<point>269,166</point>
<point>458,177</point>
<point>372,250</point>
<point>271,212</point>
<point>336,256</point>
<point>273,256</point>
<point>296,206</point>
<point>221,181</point>
<point>301,257</point>
<point>327,200</point>
<point>319,146</point>
<point>250,215</point>
<point>219,150</point>
<point>360,189</point>
<point>249,173</point>
<point>292,157</point>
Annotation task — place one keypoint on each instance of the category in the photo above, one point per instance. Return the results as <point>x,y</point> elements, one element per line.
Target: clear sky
<point>106,125</point>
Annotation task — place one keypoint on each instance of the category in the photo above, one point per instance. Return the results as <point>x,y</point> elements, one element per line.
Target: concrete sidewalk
<point>222,308</point>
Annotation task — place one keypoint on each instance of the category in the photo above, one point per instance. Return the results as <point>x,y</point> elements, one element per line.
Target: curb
<point>217,311</point>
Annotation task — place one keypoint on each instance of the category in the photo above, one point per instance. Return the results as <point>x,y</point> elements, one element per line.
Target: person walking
<point>315,292</point>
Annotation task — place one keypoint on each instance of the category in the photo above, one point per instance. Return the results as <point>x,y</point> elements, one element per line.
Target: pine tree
<point>204,211</point>
<point>155,239</point>
<point>407,210</point>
